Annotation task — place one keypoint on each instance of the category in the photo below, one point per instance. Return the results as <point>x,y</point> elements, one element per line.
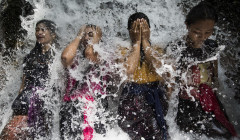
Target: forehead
<point>41,25</point>
<point>203,25</point>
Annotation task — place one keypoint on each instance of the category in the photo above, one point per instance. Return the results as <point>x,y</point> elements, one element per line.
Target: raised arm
<point>132,60</point>
<point>150,56</point>
<point>95,36</point>
<point>70,51</point>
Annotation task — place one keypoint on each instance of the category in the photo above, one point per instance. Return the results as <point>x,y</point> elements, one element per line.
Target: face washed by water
<point>88,36</point>
<point>29,116</point>
<point>85,97</point>
<point>143,102</point>
<point>200,31</point>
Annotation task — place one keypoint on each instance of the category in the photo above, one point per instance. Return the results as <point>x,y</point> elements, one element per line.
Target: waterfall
<point>166,21</point>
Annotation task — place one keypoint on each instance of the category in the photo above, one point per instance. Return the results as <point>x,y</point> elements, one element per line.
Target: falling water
<point>167,24</point>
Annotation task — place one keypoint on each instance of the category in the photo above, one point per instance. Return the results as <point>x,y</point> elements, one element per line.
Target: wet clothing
<point>199,110</point>
<point>84,99</point>
<point>143,104</point>
<point>142,109</point>
<point>36,66</point>
<point>36,73</point>
<point>143,74</point>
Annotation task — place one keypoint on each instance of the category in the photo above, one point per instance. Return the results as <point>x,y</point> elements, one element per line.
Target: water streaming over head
<point>167,24</point>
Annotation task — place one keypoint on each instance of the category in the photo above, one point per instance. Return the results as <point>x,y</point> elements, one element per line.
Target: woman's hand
<point>97,35</point>
<point>145,31</point>
<point>81,32</point>
<point>135,32</point>
<point>89,50</point>
<point>90,54</point>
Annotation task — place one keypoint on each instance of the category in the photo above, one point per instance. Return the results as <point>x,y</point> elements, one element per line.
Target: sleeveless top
<point>143,74</point>
<point>94,81</point>
<point>35,67</point>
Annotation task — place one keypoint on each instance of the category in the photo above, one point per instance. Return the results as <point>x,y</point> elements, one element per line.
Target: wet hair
<point>91,25</point>
<point>49,24</point>
<point>202,11</point>
<point>136,16</point>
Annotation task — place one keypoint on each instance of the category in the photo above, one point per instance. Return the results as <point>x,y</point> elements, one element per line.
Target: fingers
<point>133,28</point>
<point>98,31</point>
<point>136,26</point>
<point>83,28</point>
<point>97,34</point>
<point>145,26</point>
<point>81,31</point>
<point>139,25</point>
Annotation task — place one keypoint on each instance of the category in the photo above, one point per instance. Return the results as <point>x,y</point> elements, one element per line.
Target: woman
<point>85,97</point>
<point>199,109</point>
<point>35,75</point>
<point>142,102</point>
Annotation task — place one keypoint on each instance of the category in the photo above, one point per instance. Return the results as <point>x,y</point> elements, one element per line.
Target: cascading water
<point>167,24</point>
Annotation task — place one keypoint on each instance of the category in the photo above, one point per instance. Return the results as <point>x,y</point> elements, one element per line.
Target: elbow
<point>64,59</point>
<point>130,70</point>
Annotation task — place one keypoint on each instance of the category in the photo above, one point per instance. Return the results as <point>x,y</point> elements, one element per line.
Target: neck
<point>191,44</point>
<point>45,48</point>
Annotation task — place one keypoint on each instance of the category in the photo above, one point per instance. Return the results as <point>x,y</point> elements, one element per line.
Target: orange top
<point>143,74</point>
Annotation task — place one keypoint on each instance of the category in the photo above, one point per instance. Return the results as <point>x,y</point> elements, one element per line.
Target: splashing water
<point>166,21</point>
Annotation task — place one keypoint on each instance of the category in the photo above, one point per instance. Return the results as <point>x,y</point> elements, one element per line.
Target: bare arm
<point>132,60</point>
<point>149,55</point>
<point>70,51</point>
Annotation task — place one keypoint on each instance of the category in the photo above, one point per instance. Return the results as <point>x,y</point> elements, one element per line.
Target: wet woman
<point>86,88</point>
<point>199,110</point>
<point>143,101</point>
<point>27,108</point>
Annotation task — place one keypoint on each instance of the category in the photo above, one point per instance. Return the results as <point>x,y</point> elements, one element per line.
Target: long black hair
<point>202,11</point>
<point>131,19</point>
